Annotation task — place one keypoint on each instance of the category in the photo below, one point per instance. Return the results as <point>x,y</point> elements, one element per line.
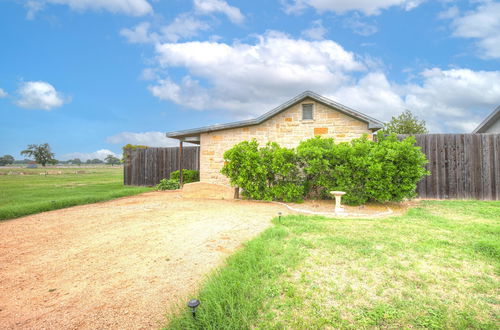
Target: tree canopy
<point>94,161</point>
<point>112,160</point>
<point>41,153</point>
<point>406,123</point>
<point>6,160</point>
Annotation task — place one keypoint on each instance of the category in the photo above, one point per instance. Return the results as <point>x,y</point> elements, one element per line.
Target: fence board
<point>462,166</point>
<point>147,166</point>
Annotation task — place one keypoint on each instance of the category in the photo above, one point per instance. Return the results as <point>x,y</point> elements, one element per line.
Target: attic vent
<point>307,111</point>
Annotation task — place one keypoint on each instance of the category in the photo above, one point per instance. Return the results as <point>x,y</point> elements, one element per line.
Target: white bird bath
<point>338,196</point>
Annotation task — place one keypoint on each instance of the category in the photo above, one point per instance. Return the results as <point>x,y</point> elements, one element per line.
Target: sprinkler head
<point>193,304</point>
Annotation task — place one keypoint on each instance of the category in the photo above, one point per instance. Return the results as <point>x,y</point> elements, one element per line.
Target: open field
<point>437,266</point>
<point>33,192</point>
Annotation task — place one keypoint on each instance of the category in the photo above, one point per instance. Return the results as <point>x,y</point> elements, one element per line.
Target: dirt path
<point>117,264</point>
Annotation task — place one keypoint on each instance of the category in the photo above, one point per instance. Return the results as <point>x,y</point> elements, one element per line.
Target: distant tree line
<point>42,154</point>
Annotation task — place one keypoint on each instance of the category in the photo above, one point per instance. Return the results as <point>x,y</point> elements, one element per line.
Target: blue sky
<point>88,76</point>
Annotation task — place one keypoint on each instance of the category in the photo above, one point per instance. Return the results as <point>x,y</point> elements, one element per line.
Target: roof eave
<point>486,123</point>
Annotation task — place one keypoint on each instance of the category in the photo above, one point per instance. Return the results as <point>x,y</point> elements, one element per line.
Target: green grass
<point>437,266</point>
<point>27,194</point>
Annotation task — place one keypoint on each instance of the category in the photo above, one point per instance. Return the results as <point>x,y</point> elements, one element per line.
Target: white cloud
<point>219,6</point>
<point>482,24</point>
<point>39,95</point>
<point>84,156</point>
<point>127,7</point>
<point>3,93</point>
<point>149,74</point>
<point>358,26</point>
<point>33,7</point>
<point>454,99</point>
<point>182,27</point>
<point>240,74</point>
<point>139,34</point>
<point>248,79</point>
<point>150,139</point>
<point>449,13</point>
<point>448,100</point>
<point>372,94</point>
<point>316,32</point>
<point>368,7</point>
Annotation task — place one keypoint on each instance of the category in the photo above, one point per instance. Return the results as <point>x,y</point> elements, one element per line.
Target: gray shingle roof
<point>373,123</point>
<point>488,121</point>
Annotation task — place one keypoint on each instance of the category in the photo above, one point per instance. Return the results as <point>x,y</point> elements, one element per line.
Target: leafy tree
<point>41,152</point>
<point>6,160</point>
<point>76,161</point>
<point>405,123</point>
<point>112,160</point>
<point>94,161</point>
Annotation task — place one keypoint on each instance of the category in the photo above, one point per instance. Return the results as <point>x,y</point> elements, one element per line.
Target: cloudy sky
<point>88,76</point>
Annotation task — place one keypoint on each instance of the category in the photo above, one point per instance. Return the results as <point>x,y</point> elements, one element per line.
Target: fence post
<point>181,178</point>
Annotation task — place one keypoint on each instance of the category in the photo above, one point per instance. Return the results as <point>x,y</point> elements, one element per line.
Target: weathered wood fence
<point>462,166</point>
<point>146,167</point>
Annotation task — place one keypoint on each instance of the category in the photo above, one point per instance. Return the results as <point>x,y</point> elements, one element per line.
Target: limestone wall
<point>286,128</point>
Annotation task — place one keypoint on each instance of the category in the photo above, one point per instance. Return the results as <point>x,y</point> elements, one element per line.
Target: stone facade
<point>286,128</point>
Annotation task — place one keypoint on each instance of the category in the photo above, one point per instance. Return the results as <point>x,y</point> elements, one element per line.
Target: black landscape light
<point>193,303</point>
<point>279,217</point>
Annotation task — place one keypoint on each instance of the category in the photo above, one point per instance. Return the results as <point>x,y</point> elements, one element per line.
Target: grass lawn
<point>32,193</point>
<point>438,266</point>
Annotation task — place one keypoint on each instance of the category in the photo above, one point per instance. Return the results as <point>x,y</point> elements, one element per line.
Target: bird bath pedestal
<point>338,195</point>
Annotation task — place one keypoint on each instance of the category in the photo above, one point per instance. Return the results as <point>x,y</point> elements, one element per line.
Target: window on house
<point>307,111</point>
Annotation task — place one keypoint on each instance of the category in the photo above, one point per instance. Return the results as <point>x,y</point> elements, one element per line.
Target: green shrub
<point>395,168</point>
<point>243,167</point>
<point>315,158</point>
<point>187,176</point>
<point>168,184</point>
<point>283,178</point>
<point>383,170</point>
<point>268,173</point>
<point>350,164</point>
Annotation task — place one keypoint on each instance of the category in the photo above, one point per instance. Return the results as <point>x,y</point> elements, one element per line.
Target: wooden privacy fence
<point>147,166</point>
<point>462,166</point>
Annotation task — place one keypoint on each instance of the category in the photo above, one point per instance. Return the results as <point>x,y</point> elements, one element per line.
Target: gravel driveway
<point>117,264</point>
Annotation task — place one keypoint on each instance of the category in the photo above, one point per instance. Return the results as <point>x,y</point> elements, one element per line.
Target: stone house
<point>490,124</point>
<point>303,117</point>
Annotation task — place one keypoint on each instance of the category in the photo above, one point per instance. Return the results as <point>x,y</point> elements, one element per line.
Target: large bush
<point>187,176</point>
<point>395,168</point>
<point>383,170</point>
<point>315,158</point>
<point>266,173</point>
